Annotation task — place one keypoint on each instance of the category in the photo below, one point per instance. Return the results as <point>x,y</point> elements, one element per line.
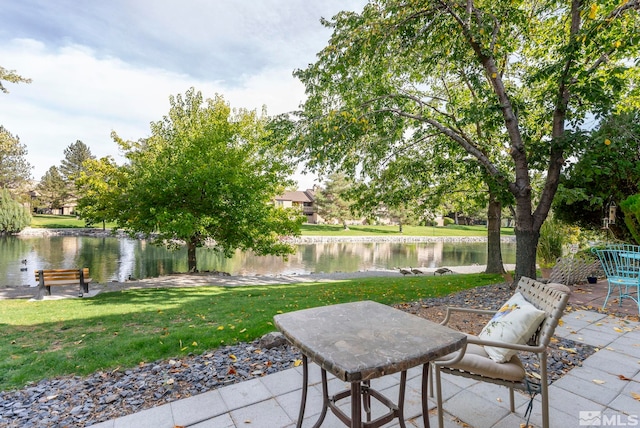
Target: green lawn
<point>123,329</point>
<point>60,221</point>
<point>452,230</point>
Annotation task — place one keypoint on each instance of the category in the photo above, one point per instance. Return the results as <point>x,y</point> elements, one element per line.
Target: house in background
<point>303,200</point>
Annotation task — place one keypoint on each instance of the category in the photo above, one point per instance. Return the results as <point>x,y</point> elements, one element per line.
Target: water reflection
<point>118,259</point>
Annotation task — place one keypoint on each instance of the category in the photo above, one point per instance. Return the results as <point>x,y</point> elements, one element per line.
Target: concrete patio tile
<point>449,421</point>
<point>330,421</point>
<point>315,373</point>
<point>412,401</point>
<point>557,418</point>
<point>460,381</point>
<point>613,362</point>
<point>600,338</point>
<point>600,393</point>
<point>567,402</point>
<point>625,402</point>
<point>244,393</point>
<point>475,410</point>
<point>628,344</point>
<point>385,382</point>
<point>498,394</point>
<point>105,424</point>
<point>282,382</point>
<point>265,414</point>
<point>198,408</point>
<point>290,402</point>
<point>156,417</point>
<point>449,389</point>
<point>222,421</point>
<point>582,318</point>
<point>588,374</point>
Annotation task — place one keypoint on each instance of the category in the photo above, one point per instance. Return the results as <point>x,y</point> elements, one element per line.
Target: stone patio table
<point>360,341</point>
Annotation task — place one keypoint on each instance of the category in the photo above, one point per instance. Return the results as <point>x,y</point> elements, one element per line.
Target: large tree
<point>101,182</point>
<point>333,201</point>
<point>14,168</point>
<point>75,155</point>
<point>206,174</point>
<point>526,71</point>
<point>52,189</point>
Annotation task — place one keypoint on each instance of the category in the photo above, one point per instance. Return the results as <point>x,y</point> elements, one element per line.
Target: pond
<point>118,259</point>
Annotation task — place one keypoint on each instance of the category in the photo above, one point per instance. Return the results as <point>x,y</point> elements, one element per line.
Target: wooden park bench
<point>50,277</point>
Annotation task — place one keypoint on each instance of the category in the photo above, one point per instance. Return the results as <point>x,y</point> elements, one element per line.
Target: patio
<point>606,387</point>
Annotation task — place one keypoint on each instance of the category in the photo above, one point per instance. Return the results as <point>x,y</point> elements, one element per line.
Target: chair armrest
<point>472,339</point>
<point>525,348</point>
<point>452,309</point>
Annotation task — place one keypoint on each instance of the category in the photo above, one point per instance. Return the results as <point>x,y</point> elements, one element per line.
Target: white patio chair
<point>476,362</point>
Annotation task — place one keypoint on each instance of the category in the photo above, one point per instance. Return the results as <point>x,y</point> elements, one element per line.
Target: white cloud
<point>99,68</point>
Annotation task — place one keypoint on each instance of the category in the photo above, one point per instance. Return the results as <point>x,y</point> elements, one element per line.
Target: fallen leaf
<point>499,400</point>
<point>296,363</point>
<point>635,396</point>
<point>571,350</point>
<point>247,421</point>
<point>194,344</point>
<point>231,371</point>
<point>560,322</point>
<point>623,377</point>
<point>221,327</point>
<point>233,357</point>
<point>598,381</point>
<point>619,330</point>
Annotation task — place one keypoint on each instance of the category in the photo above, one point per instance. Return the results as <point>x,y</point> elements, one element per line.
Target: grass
<point>60,222</point>
<point>452,230</point>
<point>65,221</point>
<point>123,329</point>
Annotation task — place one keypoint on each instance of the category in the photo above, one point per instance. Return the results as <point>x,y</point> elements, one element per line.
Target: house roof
<point>295,196</point>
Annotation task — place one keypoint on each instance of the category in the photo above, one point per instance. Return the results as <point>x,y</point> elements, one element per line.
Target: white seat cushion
<point>477,361</point>
<point>515,322</point>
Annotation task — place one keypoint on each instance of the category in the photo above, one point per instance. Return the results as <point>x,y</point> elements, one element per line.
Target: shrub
<point>447,221</point>
<point>550,243</point>
<point>13,216</point>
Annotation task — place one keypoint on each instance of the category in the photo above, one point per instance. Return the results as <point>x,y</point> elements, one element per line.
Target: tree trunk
<point>400,226</point>
<point>526,246</point>
<point>192,244</point>
<point>494,250</point>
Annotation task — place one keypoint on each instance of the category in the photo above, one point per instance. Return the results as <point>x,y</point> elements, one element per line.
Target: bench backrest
<point>62,274</point>
<point>551,298</point>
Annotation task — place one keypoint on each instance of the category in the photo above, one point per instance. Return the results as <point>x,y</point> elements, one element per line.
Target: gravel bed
<point>82,401</point>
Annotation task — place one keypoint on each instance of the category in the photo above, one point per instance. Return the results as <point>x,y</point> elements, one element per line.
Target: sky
<point>100,66</point>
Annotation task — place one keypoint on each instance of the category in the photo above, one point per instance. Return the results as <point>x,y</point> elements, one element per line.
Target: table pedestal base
<point>363,394</point>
